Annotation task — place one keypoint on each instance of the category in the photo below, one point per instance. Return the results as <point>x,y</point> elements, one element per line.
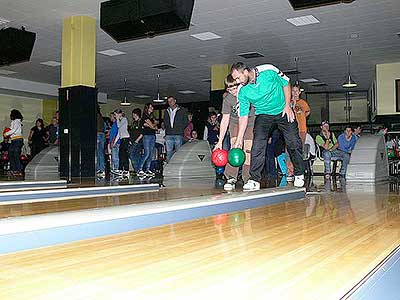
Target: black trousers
<point>124,154</point>
<point>262,126</point>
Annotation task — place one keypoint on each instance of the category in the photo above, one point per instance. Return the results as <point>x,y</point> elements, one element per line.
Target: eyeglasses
<point>232,87</point>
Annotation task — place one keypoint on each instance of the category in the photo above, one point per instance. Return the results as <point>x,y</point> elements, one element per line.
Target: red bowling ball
<point>219,157</point>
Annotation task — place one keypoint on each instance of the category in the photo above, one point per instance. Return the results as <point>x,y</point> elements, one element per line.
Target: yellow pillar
<point>49,107</point>
<point>218,74</point>
<point>79,52</point>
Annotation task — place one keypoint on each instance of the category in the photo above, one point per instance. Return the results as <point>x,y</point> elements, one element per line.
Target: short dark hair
<point>229,81</point>
<point>212,113</point>
<point>171,97</point>
<point>239,66</point>
<point>118,111</point>
<point>15,114</point>
<point>138,112</point>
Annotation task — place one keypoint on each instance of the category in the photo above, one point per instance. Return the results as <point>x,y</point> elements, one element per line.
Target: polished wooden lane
<point>316,248</point>
<point>25,209</point>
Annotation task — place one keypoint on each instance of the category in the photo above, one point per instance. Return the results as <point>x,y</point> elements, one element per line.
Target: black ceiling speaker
<point>303,4</point>
<point>15,45</point>
<point>126,20</point>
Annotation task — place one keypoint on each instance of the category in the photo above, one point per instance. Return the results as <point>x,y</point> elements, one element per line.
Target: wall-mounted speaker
<point>16,45</point>
<point>126,20</point>
<point>303,4</point>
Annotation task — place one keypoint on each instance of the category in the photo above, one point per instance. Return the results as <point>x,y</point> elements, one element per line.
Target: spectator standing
<point>175,120</point>
<point>37,138</point>
<point>17,141</point>
<point>149,128</point>
<point>123,135</point>
<point>136,136</point>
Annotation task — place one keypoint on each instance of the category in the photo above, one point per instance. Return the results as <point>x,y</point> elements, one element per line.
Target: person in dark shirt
<point>212,129</point>
<point>37,138</point>
<point>136,136</point>
<point>149,127</point>
<point>52,132</point>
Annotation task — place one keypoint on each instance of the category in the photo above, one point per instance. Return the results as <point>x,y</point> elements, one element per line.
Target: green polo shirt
<point>265,94</point>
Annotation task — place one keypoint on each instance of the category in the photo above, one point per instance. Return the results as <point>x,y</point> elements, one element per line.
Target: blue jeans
<point>115,157</point>
<point>136,156</point>
<point>173,143</point>
<point>335,155</point>
<point>149,143</point>
<point>101,139</point>
<point>14,155</point>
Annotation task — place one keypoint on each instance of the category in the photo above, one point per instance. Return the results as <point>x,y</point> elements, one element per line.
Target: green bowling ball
<point>236,157</point>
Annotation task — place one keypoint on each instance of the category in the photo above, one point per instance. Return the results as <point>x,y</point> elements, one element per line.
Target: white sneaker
<point>125,174</point>
<point>251,185</point>
<point>116,172</point>
<point>299,181</point>
<point>230,184</point>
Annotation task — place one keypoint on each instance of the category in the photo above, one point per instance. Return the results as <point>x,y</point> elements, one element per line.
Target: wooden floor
<point>14,210</point>
<point>316,248</point>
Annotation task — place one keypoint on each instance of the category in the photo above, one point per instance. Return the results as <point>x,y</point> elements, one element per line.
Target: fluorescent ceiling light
<point>7,72</point>
<point>206,80</point>
<point>51,63</point>
<point>205,36</point>
<point>141,96</point>
<point>309,80</point>
<point>202,55</point>
<point>111,52</point>
<point>3,21</point>
<point>186,92</point>
<point>301,21</point>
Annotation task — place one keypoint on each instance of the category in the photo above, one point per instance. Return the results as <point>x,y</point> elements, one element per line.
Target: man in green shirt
<point>268,90</point>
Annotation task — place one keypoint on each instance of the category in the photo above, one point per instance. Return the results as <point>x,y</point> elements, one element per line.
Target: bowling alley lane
<point>314,248</point>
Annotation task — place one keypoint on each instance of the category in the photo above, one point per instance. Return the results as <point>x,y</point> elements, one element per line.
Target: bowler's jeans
<point>262,126</point>
<point>136,156</point>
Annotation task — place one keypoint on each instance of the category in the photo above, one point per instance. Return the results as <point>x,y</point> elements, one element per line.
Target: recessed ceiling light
<point>163,66</point>
<point>206,80</point>
<point>305,20</point>
<point>142,96</point>
<point>248,55</point>
<point>3,21</point>
<point>202,55</point>
<point>205,36</point>
<point>51,63</point>
<point>111,52</point>
<point>7,72</point>
<point>309,80</point>
<point>186,92</point>
<point>354,36</point>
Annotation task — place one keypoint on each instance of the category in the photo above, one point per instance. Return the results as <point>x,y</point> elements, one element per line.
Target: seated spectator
<point>345,145</point>
<point>357,131</point>
<point>327,143</point>
<point>211,130</point>
<point>189,128</point>
<point>194,136</point>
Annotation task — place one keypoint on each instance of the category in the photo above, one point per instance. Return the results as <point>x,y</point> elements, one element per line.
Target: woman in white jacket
<point>17,141</point>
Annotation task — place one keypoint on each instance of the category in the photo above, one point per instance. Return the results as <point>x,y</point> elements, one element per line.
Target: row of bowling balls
<point>236,157</point>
